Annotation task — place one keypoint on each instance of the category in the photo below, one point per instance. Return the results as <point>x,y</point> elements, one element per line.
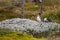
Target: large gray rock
<point>25,24</point>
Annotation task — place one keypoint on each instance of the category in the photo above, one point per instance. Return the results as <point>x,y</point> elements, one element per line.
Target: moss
<point>7,34</point>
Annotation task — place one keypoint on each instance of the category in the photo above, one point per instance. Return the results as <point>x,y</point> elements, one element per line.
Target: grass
<point>30,12</point>
<point>4,16</point>
<point>6,34</point>
<point>54,16</point>
<point>31,7</point>
<point>18,36</point>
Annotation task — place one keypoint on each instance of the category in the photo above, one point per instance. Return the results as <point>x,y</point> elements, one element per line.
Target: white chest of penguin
<point>38,18</point>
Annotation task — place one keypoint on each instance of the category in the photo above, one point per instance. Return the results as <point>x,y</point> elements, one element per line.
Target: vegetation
<point>51,10</point>
<point>55,35</point>
<point>6,34</point>
<point>54,16</point>
<point>31,12</point>
<point>45,34</point>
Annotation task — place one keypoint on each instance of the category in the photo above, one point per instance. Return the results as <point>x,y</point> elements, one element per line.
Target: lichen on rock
<point>25,24</point>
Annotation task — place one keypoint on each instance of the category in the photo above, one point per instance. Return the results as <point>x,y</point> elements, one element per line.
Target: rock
<point>25,24</point>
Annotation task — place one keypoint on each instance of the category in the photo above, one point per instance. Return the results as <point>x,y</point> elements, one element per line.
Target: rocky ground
<point>25,24</point>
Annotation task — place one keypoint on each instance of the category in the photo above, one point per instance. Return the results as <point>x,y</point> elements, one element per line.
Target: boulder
<point>25,24</point>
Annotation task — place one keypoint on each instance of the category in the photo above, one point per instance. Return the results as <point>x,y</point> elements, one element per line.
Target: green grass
<point>8,0</point>
<point>31,7</point>
<point>31,11</point>
<point>7,16</point>
<point>54,16</point>
<point>18,36</point>
<point>6,34</point>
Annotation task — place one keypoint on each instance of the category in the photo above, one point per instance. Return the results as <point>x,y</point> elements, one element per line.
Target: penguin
<point>39,17</point>
<point>47,20</point>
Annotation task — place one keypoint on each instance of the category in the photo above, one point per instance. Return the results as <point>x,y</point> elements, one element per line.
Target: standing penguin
<point>39,17</point>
